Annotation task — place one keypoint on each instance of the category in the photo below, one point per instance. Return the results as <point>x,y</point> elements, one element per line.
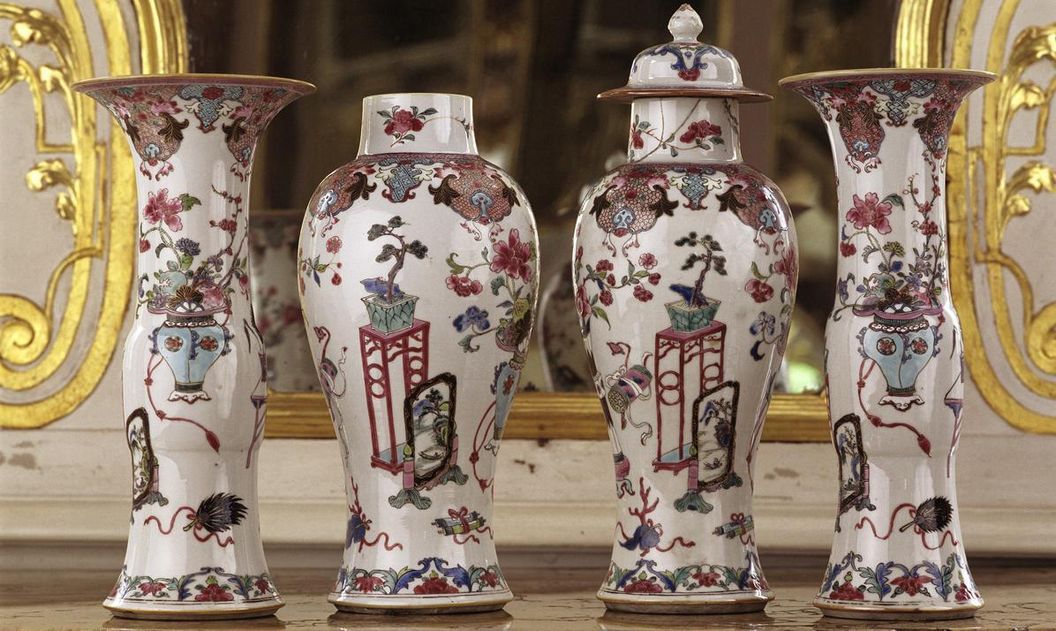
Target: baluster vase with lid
<point>685,270</point>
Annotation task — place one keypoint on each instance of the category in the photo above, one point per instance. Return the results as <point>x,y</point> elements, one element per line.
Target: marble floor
<point>554,592</point>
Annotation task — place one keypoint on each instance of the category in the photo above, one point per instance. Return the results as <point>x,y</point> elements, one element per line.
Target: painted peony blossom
<point>699,131</point>
<point>759,290</point>
<point>513,256</point>
<point>464,285</point>
<point>870,213</point>
<point>161,208</point>
<point>403,121</point>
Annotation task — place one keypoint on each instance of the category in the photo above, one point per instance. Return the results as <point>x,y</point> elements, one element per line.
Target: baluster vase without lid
<point>685,269</point>
<point>893,347</point>
<point>195,384</point>
<point>418,280</point>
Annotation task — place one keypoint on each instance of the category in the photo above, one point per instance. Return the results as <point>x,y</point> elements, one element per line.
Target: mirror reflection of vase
<point>194,380</point>
<point>418,274</point>
<point>894,352</point>
<point>565,365</point>
<point>685,267</point>
<point>273,237</point>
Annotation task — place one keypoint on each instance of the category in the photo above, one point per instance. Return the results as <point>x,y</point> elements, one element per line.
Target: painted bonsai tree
<point>708,256</point>
<point>387,289</point>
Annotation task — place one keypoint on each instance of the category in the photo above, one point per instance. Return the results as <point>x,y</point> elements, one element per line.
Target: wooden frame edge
<point>554,416</point>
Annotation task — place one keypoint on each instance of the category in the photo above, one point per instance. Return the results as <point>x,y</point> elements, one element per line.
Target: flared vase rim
<point>390,95</point>
<point>867,74</point>
<point>302,88</point>
<point>629,94</point>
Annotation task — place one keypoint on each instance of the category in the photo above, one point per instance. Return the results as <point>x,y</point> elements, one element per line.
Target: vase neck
<point>194,139</point>
<point>684,130</point>
<point>417,123</point>
<point>889,136</point>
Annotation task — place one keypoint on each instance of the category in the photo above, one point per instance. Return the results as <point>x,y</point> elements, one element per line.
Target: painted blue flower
<point>841,288</point>
<point>474,317</point>
<point>189,247</point>
<point>380,287</point>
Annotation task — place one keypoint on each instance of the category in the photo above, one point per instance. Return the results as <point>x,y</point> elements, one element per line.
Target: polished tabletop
<point>1019,594</point>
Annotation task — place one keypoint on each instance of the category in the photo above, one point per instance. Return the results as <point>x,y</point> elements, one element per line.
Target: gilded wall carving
<point>1002,185</point>
<point>58,337</point>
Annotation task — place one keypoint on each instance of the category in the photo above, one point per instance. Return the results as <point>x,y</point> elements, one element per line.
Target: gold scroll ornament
<point>985,198</point>
<point>43,357</point>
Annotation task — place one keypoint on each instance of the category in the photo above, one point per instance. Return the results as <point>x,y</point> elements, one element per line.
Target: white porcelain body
<point>194,381</point>
<point>894,353</point>
<point>685,539</point>
<point>456,238</point>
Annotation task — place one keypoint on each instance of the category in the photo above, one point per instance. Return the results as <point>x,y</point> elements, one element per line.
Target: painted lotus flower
<point>911,585</point>
<point>152,588</point>
<point>214,592</point>
<point>847,591</point>
<point>367,584</point>
<point>435,585</point>
<point>643,586</point>
<point>490,578</point>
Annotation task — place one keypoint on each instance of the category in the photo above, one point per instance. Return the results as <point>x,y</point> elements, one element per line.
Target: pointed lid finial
<point>685,25</point>
<point>685,67</point>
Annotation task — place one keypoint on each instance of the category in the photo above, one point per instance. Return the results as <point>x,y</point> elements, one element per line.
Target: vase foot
<point>718,603</point>
<point>197,611</point>
<point>896,613</point>
<point>421,605</point>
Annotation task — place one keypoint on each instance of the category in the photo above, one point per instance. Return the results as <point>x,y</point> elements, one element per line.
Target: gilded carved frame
<point>93,182</point>
<point>31,352</point>
<point>984,199</point>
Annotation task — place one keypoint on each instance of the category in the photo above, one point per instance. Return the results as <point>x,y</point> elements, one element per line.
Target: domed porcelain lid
<point>685,67</point>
